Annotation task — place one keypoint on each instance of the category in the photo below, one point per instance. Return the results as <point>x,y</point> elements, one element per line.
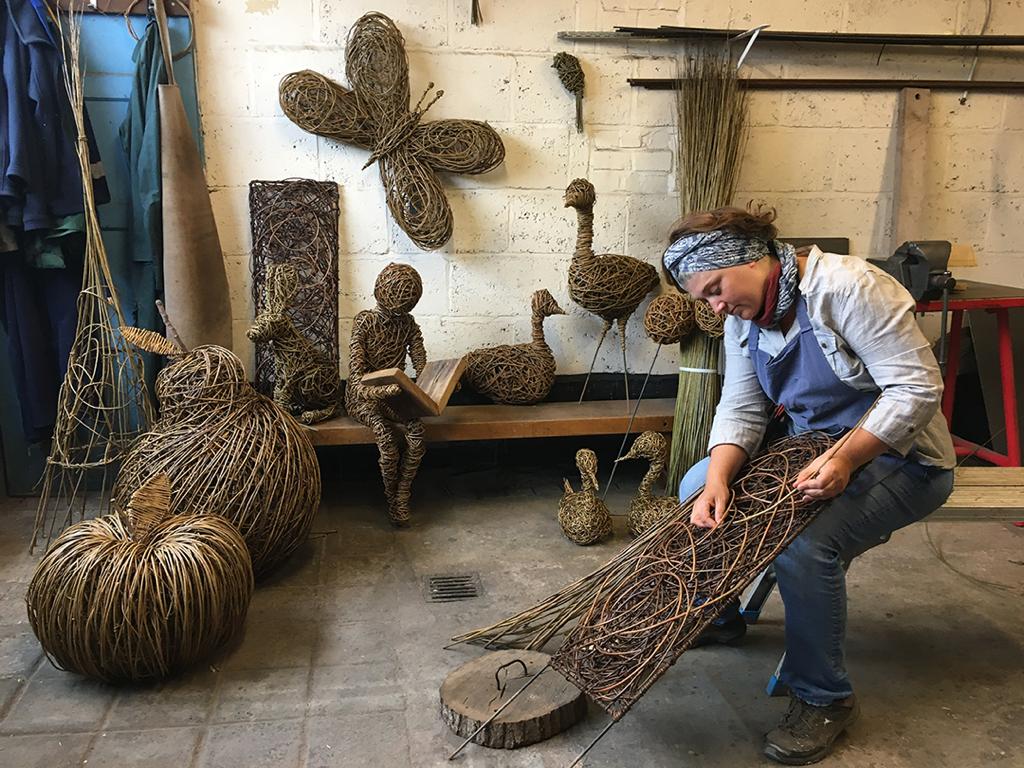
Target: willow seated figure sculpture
<point>382,337</point>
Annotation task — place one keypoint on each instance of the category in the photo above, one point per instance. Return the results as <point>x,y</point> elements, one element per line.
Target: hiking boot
<point>722,632</point>
<point>806,733</point>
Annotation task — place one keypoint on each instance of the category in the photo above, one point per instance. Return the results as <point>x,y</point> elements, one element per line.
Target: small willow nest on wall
<point>140,595</point>
<point>713,325</point>
<point>669,318</point>
<point>228,450</point>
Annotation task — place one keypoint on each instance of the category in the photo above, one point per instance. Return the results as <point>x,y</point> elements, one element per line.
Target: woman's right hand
<point>710,508</point>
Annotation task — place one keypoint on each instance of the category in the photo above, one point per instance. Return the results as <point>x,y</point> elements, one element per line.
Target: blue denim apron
<point>800,379</point>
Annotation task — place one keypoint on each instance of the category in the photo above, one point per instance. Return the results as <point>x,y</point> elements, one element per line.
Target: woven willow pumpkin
<point>227,450</point>
<point>140,595</point>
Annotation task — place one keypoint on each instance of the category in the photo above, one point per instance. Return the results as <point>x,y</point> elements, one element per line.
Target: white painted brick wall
<point>824,160</point>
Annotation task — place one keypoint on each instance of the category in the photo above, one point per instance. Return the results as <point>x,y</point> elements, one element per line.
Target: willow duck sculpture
<point>517,374</point>
<point>608,285</point>
<point>582,514</point>
<point>646,509</point>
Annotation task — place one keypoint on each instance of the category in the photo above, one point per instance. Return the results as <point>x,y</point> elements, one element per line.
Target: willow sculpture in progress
<point>635,616</point>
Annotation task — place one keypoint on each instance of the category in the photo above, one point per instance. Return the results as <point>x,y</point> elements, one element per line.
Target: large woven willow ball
<point>230,451</point>
<point>398,288</point>
<point>707,320</point>
<point>140,595</point>
<point>209,375</point>
<point>669,318</point>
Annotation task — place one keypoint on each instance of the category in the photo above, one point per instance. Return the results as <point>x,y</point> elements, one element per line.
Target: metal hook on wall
<point>189,47</point>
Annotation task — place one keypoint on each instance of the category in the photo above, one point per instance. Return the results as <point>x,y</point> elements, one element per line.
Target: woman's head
<point>722,256</point>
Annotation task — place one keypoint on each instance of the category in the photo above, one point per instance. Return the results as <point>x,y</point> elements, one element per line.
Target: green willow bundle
<point>140,595</point>
<point>711,115</point>
<point>699,391</point>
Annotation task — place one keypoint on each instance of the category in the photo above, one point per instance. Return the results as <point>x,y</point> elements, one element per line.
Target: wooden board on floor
<point>501,422</point>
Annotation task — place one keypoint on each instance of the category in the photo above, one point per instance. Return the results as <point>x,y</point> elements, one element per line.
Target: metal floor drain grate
<point>445,589</point>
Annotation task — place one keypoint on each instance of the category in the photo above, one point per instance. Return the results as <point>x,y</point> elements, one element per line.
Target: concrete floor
<point>342,655</point>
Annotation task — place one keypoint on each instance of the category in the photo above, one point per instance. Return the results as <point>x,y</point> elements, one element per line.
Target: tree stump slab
<point>473,692</point>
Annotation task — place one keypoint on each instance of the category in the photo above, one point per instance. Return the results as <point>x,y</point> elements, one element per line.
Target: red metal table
<point>997,299</point>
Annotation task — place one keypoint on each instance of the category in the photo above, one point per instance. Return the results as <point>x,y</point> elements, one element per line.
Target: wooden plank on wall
<point>910,182</point>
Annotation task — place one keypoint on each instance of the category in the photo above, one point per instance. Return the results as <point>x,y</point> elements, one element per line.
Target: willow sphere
<point>712,324</point>
<point>140,595</point>
<point>669,318</point>
<point>398,288</point>
<point>231,451</point>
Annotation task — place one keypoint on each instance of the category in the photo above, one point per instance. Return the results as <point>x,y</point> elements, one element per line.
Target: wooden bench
<point>980,494</point>
<point>984,493</point>
<point>498,422</point>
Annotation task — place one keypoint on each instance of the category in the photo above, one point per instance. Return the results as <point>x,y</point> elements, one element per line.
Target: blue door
<point>107,54</point>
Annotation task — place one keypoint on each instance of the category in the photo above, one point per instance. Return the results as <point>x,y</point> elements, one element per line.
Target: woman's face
<point>735,291</point>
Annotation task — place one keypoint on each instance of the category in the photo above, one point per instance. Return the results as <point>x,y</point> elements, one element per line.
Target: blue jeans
<point>811,571</point>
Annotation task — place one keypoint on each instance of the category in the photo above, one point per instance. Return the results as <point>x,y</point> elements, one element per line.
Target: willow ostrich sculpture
<point>517,374</point>
<point>646,509</point>
<point>381,338</point>
<point>307,384</point>
<point>583,516</point>
<point>608,285</point>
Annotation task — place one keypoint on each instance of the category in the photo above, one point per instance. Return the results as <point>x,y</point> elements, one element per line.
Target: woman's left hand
<point>833,475</point>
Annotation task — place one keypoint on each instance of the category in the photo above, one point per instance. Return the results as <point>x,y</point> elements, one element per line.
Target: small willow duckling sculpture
<point>517,374</point>
<point>646,509</point>
<point>609,285</point>
<point>582,514</point>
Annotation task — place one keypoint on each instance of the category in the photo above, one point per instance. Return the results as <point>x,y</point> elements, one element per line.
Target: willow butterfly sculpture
<point>374,114</point>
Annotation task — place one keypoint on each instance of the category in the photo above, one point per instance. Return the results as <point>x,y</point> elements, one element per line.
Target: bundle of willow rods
<point>711,115</point>
<point>697,397</point>
<point>671,582</point>
<point>140,595</point>
<point>102,405</point>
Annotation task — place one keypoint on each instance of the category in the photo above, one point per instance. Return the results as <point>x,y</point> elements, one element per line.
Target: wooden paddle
<point>195,281</point>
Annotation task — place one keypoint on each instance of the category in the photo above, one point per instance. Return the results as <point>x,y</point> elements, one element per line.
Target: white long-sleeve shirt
<point>864,322</point>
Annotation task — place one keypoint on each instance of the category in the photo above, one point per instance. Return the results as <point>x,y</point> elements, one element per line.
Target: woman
<point>828,337</point>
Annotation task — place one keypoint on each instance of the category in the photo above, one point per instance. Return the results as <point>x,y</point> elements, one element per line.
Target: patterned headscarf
<point>718,249</point>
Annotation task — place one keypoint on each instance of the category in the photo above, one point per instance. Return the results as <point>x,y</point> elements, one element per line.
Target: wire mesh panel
<point>296,221</point>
